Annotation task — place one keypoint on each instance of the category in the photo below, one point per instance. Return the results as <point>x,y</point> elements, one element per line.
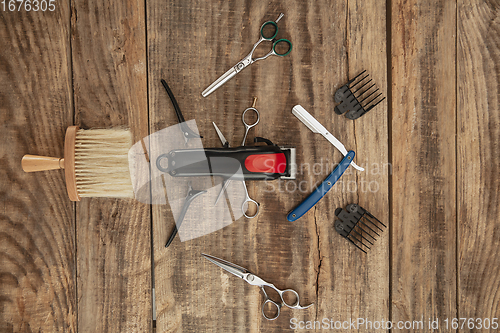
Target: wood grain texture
<point>37,230</point>
<point>88,268</point>
<point>478,141</point>
<point>424,160</point>
<point>113,236</point>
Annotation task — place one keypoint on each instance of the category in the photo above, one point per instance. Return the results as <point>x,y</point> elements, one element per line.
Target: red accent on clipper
<point>268,163</point>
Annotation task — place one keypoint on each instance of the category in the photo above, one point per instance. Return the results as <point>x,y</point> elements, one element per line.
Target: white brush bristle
<point>101,163</point>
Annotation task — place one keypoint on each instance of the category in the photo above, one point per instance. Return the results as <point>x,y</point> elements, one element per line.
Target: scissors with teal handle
<point>289,297</point>
<point>249,59</point>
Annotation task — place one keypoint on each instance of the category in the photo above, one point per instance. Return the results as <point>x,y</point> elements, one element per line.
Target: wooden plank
<point>113,236</point>
<point>478,161</point>
<point>353,284</point>
<point>424,161</point>
<point>37,224</point>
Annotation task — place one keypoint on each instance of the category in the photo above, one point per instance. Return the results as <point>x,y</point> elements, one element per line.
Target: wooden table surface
<point>431,153</point>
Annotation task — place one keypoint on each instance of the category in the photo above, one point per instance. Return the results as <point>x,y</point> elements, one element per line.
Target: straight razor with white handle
<point>316,127</point>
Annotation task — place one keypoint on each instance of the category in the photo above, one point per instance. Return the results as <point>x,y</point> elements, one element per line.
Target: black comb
<point>357,97</point>
<point>358,226</point>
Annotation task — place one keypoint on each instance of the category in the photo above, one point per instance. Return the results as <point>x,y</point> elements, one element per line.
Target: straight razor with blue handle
<point>315,126</point>
<point>321,190</point>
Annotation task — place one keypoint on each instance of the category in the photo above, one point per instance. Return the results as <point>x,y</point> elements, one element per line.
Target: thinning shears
<point>289,297</point>
<point>268,32</point>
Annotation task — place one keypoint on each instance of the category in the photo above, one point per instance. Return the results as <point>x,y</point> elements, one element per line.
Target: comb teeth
<point>358,96</point>
<point>358,226</point>
<point>364,94</point>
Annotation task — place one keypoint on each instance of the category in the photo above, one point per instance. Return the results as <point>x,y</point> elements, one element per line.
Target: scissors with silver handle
<point>249,59</point>
<point>247,125</point>
<point>288,297</point>
<point>225,184</point>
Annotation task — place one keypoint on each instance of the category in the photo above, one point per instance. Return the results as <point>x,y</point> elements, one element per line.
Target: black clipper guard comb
<point>356,98</point>
<point>358,226</point>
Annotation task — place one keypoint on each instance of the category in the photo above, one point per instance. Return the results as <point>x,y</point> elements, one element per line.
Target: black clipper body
<point>241,163</point>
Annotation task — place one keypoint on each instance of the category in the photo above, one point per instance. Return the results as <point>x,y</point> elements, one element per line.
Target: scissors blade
<point>219,82</point>
<point>221,136</point>
<point>227,266</point>
<point>225,184</point>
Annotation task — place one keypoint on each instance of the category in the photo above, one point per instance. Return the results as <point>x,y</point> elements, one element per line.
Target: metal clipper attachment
<point>358,226</point>
<point>293,163</point>
<point>357,97</point>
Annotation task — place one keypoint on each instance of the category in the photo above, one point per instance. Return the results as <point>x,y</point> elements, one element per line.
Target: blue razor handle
<point>321,190</point>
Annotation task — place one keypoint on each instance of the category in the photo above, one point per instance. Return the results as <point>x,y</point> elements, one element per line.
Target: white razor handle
<point>316,127</point>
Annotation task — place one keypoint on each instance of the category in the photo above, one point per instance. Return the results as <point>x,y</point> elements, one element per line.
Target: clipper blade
<point>357,97</point>
<point>358,226</point>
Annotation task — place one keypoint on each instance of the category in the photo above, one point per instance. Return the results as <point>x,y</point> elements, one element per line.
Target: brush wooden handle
<point>32,163</point>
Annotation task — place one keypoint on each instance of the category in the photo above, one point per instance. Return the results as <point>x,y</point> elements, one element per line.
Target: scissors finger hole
<point>253,118</point>
<point>270,310</point>
<point>290,298</point>
<point>269,30</point>
<point>282,47</point>
<point>250,209</point>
